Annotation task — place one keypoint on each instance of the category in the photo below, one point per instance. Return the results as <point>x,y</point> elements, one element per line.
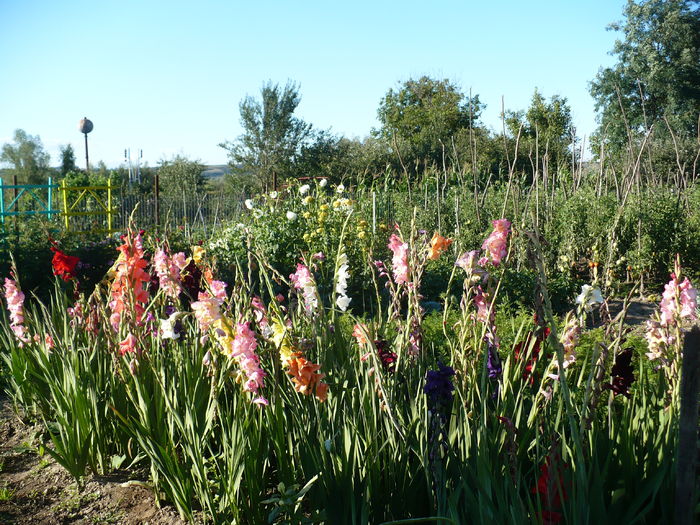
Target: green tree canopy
<point>27,158</point>
<point>181,175</point>
<point>272,135</point>
<point>420,118</point>
<point>67,159</point>
<point>546,127</point>
<point>657,73</point>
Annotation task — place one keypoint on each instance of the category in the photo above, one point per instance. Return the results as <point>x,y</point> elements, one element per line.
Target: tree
<point>181,175</point>
<point>545,129</point>
<point>29,161</point>
<point>420,118</point>
<point>272,135</point>
<point>67,159</point>
<point>657,75</point>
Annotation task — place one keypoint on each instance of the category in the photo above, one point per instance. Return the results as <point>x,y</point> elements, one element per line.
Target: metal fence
<point>203,211</point>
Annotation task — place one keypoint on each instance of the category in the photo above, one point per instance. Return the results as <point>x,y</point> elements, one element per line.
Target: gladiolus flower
<point>359,334</point>
<point>438,244</point>
<point>303,280</point>
<point>206,310</point>
<point>589,297</point>
<point>307,378</point>
<point>15,305</point>
<point>197,254</point>
<point>168,273</point>
<point>167,327</point>
<point>128,345</point>
<point>218,288</point>
<point>342,301</point>
<point>622,374</point>
<point>63,265</point>
<point>678,302</point>
<point>496,243</point>
<point>129,279</point>
<point>399,261</point>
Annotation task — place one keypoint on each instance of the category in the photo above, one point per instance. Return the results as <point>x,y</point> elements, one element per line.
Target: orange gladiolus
<point>438,244</point>
<point>359,334</point>
<point>307,378</point>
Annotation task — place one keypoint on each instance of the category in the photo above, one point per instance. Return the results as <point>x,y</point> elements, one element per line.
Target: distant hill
<point>213,172</point>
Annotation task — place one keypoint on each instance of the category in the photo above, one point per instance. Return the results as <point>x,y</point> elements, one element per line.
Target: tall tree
<point>181,175</point>
<point>27,158</point>
<point>67,159</point>
<point>272,135</point>
<point>546,129</point>
<point>657,74</point>
<point>420,118</point>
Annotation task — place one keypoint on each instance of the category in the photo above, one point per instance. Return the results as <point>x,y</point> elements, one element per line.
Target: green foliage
<point>420,118</point>
<point>546,133</point>
<point>67,159</point>
<point>27,158</point>
<point>271,139</point>
<point>657,75</point>
<point>180,175</point>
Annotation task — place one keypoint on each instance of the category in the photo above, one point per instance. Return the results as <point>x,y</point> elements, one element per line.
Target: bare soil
<point>34,489</point>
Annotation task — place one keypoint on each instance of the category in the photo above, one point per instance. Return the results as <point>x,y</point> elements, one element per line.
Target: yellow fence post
<point>64,190</point>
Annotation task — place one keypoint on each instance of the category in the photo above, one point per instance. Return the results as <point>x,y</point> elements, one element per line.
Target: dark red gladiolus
<point>522,347</point>
<point>550,488</point>
<point>63,265</point>
<point>622,374</point>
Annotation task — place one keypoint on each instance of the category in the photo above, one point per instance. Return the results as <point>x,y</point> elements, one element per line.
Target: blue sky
<point>167,76</point>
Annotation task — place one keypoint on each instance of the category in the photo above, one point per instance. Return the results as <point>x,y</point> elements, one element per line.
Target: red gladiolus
<point>551,488</point>
<point>63,264</point>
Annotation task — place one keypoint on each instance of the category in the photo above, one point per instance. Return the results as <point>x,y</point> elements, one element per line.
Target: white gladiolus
<point>342,301</point>
<point>167,327</point>
<point>589,296</point>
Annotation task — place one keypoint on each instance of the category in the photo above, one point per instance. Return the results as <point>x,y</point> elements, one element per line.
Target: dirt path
<point>36,490</point>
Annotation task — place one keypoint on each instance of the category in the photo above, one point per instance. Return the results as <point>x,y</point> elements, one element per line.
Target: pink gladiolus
<point>689,300</point>
<point>128,345</point>
<point>657,340</point>
<point>206,310</point>
<point>483,306</point>
<point>496,244</point>
<point>303,280</point>
<point>399,261</point>
<point>679,301</point>
<point>168,274</point>
<point>243,351</point>
<point>180,260</point>
<point>218,288</point>
<point>569,340</point>
<point>15,305</point>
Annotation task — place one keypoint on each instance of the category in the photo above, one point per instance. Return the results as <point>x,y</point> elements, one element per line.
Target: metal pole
<point>2,202</point>
<point>49,206</point>
<point>157,198</point>
<point>87,162</point>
